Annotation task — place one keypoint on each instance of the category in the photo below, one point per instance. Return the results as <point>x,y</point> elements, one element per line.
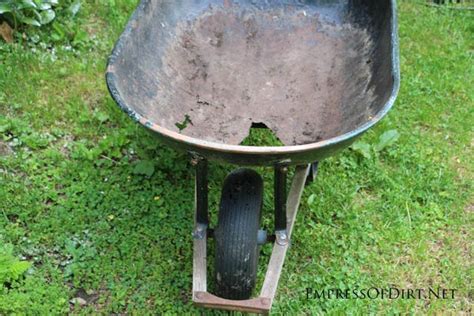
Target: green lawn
<point>76,202</point>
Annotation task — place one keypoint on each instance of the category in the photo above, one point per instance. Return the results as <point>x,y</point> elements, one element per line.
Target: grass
<point>98,209</point>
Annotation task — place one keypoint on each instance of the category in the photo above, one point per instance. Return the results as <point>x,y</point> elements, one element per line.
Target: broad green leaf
<point>4,128</point>
<point>102,116</point>
<point>18,268</point>
<point>37,15</point>
<point>59,29</point>
<point>28,4</point>
<point>5,7</point>
<point>47,16</point>
<point>44,6</point>
<point>387,139</point>
<point>363,149</point>
<point>311,199</point>
<point>30,21</point>
<point>80,37</point>
<point>56,37</point>
<point>74,7</point>
<point>145,167</point>
<point>10,267</point>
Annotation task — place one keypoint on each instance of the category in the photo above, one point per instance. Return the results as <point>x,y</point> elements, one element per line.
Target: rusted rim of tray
<point>256,150</point>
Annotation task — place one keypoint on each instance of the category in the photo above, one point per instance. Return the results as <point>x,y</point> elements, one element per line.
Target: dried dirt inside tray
<point>302,75</point>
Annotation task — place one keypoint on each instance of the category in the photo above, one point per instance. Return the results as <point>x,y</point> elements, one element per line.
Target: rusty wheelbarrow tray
<point>201,74</point>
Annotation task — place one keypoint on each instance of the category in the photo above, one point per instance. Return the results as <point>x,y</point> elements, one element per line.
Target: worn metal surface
<point>292,69</point>
<point>199,73</point>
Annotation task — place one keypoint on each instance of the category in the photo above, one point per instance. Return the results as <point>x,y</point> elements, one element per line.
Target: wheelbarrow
<point>201,74</point>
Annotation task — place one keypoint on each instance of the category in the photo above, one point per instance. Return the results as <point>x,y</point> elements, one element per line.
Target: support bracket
<point>263,303</point>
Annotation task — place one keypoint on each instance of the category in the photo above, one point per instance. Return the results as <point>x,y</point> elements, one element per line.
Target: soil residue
<point>295,72</point>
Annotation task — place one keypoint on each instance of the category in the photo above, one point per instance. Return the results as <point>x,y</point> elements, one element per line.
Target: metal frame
<point>313,172</point>
<point>262,303</point>
<point>202,184</point>
<point>280,197</point>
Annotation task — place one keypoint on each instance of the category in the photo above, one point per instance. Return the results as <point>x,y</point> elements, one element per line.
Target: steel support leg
<point>313,172</point>
<point>201,197</point>
<point>281,234</point>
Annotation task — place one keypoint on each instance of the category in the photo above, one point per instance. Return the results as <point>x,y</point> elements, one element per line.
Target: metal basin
<point>200,74</point>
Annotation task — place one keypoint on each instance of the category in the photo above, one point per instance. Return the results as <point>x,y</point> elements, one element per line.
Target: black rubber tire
<point>236,233</point>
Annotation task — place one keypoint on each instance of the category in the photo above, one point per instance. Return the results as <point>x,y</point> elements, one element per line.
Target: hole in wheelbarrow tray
<point>261,135</point>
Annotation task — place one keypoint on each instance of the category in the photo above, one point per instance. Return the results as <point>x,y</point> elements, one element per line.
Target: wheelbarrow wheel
<point>236,234</point>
